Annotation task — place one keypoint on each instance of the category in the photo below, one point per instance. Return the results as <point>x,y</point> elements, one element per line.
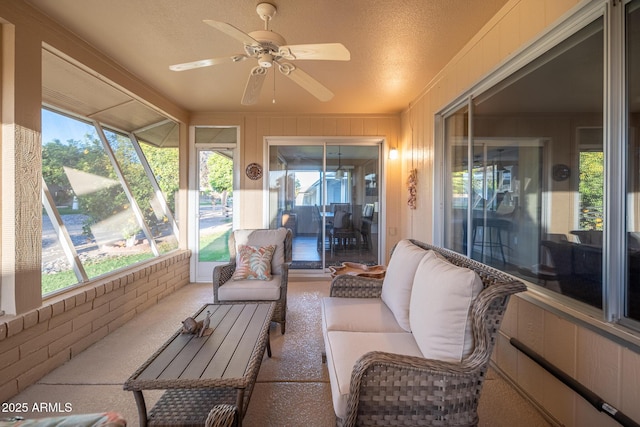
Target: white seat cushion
<point>398,280</point>
<point>357,315</point>
<point>264,237</point>
<point>345,348</point>
<point>251,290</point>
<point>440,308</point>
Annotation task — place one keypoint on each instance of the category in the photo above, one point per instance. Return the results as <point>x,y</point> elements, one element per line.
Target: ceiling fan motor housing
<point>269,40</point>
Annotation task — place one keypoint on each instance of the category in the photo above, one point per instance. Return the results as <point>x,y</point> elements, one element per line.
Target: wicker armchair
<point>392,389</point>
<point>225,289</point>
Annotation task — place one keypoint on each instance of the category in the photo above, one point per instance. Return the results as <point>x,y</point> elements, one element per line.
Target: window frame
<point>610,320</point>
<point>69,249</point>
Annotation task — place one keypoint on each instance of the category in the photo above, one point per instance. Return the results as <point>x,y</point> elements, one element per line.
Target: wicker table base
<point>188,408</point>
<point>200,373</point>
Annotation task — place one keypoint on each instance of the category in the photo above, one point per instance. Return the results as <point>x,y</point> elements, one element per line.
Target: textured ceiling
<point>397,47</point>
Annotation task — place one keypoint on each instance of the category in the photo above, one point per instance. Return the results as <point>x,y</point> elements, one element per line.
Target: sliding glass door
<point>327,194</point>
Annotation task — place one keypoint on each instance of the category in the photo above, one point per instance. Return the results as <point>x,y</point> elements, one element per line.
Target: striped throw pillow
<point>254,263</point>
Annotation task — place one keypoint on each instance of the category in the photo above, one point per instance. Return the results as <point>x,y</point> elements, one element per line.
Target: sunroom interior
<point>522,140</point>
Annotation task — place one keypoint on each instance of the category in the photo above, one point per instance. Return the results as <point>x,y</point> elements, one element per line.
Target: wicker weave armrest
<point>347,286</point>
<point>387,386</point>
<point>223,415</point>
<point>221,274</point>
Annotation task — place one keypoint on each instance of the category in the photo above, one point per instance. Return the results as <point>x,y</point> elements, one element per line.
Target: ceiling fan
<point>271,50</point>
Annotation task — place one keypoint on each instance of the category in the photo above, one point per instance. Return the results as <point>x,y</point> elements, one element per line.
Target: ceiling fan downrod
<point>266,12</point>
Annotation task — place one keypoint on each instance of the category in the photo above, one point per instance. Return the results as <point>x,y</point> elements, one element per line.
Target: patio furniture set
<point>386,362</point>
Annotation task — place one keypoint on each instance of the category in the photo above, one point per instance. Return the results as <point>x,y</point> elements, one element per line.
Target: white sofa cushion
<point>398,280</point>
<point>357,315</point>
<point>251,290</point>
<point>258,238</point>
<point>440,308</point>
<point>345,348</point>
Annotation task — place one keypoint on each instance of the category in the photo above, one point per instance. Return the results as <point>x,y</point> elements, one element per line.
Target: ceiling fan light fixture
<point>265,60</point>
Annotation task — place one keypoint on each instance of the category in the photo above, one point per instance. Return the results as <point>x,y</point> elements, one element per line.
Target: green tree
<point>90,157</point>
<point>591,189</point>
<point>56,155</point>
<point>165,166</point>
<point>220,173</point>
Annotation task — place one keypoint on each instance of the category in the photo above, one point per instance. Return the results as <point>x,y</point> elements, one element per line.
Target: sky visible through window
<point>53,127</point>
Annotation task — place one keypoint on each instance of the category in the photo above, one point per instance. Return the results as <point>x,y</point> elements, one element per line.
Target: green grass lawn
<point>213,247</point>
<point>56,281</point>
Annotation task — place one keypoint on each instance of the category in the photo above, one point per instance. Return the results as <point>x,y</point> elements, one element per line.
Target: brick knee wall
<point>36,342</point>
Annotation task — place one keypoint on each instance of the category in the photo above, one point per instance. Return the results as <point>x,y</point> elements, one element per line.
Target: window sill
<point>588,317</point>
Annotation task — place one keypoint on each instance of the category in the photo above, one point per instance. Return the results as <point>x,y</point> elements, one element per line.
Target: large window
<point>533,166</point>
<point>631,300</point>
<point>104,208</point>
<point>526,171</point>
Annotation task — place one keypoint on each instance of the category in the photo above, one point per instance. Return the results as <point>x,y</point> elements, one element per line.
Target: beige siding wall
<point>606,367</point>
<point>254,128</point>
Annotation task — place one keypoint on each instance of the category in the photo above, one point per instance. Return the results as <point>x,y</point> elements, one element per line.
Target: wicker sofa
<point>413,348</point>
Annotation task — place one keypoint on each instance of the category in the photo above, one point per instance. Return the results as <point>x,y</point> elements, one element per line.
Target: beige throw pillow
<point>440,308</point>
<point>398,280</point>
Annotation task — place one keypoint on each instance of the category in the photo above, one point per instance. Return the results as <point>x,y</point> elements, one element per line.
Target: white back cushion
<point>398,280</point>
<point>440,308</point>
<point>264,237</point>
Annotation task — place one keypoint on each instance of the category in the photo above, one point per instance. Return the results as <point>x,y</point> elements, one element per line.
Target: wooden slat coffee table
<point>201,372</point>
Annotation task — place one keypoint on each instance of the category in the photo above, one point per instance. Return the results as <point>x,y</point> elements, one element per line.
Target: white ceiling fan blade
<point>232,31</point>
<point>307,82</point>
<point>207,62</point>
<point>254,85</point>
<point>322,51</point>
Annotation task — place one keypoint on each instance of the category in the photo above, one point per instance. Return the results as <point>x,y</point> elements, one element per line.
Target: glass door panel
<point>327,194</point>
<point>215,209</point>
<point>352,203</point>
<point>296,200</point>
